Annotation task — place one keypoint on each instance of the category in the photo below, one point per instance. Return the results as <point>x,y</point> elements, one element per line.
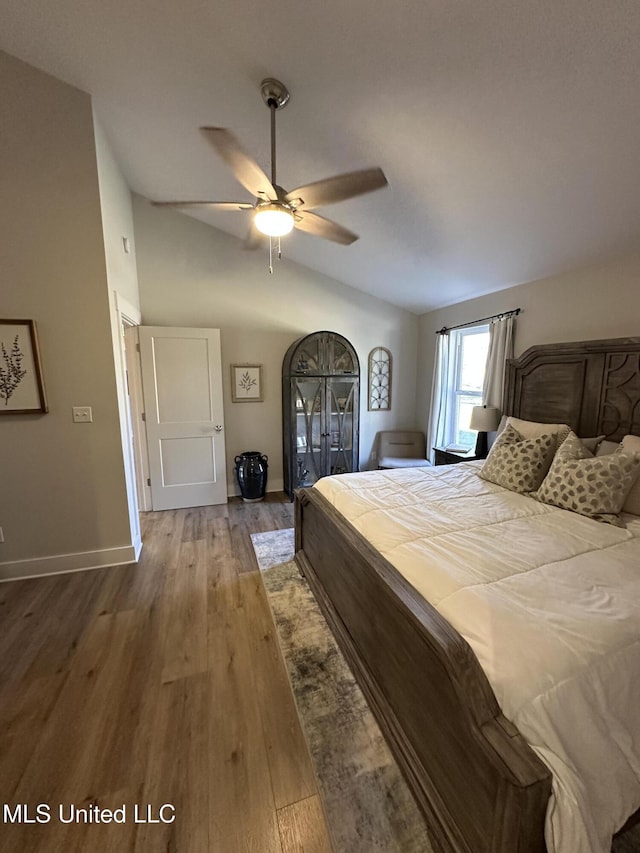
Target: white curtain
<point>500,349</point>
<point>437,413</point>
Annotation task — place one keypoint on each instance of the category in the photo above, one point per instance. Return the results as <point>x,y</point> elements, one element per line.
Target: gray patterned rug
<point>273,547</point>
<point>366,799</point>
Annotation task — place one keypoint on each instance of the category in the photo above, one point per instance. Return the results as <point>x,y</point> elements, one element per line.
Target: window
<point>468,348</point>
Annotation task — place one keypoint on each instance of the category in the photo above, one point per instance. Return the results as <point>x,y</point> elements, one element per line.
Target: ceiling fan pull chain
<point>272,246</point>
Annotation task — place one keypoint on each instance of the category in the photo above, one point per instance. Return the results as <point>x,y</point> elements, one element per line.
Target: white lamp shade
<point>484,418</point>
<point>273,220</point>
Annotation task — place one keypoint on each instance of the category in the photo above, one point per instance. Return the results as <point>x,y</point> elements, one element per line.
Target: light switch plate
<point>82,415</point>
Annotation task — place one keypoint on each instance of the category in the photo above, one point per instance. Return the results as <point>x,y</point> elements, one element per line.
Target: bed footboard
<point>480,786</point>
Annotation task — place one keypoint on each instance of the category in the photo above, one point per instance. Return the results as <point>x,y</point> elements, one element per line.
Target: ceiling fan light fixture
<point>274,220</point>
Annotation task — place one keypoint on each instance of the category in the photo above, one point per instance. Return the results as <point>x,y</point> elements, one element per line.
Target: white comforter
<point>550,603</point>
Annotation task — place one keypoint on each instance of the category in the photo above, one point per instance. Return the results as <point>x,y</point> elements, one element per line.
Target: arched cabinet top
<point>321,354</point>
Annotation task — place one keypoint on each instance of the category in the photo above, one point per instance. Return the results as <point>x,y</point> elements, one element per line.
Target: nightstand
<point>450,457</point>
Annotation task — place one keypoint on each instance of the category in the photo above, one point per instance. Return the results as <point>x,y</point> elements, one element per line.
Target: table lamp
<point>484,419</point>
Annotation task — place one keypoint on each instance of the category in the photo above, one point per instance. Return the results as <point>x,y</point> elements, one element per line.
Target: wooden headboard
<point>594,386</point>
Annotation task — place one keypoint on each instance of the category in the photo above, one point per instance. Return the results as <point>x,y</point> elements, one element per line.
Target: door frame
<point>127,315</point>
<point>136,402</point>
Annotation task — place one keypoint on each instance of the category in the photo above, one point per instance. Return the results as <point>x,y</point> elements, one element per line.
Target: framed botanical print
<point>21,384</point>
<point>246,383</point>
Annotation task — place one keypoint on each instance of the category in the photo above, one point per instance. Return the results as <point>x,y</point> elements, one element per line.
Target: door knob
<point>218,427</point>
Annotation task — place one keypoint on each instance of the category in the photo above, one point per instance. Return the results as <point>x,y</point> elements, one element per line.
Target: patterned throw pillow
<point>594,486</point>
<point>518,463</point>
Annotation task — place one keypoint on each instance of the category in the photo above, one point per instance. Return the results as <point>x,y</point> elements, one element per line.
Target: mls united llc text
<point>69,813</point>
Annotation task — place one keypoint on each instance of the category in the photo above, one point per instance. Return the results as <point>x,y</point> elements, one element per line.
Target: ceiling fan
<point>276,211</point>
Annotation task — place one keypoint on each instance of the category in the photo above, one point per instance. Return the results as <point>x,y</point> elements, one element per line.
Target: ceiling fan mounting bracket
<point>274,93</point>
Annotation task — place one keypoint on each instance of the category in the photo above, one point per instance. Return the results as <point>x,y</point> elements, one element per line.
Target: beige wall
<point>122,281</point>
<point>62,489</point>
<point>599,302</point>
<point>117,221</point>
<point>193,275</point>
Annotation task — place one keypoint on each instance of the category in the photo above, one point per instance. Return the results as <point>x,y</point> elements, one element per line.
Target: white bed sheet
<point>550,603</point>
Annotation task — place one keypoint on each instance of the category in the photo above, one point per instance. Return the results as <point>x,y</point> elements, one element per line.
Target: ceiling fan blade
<point>243,166</point>
<point>213,205</point>
<point>338,188</point>
<point>311,223</point>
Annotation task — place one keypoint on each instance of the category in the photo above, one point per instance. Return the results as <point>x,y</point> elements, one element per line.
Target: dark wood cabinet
<point>321,409</point>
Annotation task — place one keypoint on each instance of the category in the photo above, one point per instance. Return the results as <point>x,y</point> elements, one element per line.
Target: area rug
<point>366,800</point>
<point>273,547</point>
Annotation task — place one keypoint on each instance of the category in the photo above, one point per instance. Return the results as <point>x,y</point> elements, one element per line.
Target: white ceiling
<point>509,130</point>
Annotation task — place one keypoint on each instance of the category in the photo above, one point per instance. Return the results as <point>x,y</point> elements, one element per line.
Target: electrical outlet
<point>1,535</point>
<point>82,414</point>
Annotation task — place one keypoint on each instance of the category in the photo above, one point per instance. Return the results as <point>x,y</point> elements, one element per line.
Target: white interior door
<point>182,387</point>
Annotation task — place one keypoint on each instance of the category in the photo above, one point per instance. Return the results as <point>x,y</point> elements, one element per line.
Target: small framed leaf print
<point>246,383</point>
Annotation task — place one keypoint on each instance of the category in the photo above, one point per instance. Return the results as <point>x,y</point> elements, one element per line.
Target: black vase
<point>251,471</point>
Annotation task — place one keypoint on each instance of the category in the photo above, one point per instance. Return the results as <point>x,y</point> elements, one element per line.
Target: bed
<point>480,784</point>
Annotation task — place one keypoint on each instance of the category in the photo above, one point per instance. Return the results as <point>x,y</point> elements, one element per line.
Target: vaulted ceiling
<point>509,130</point>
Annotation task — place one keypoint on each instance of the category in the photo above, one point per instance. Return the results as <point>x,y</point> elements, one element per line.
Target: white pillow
<point>631,444</point>
<point>534,429</point>
<point>607,447</point>
<point>592,444</point>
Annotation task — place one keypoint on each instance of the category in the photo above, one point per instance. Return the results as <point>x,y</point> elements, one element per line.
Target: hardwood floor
<point>152,684</point>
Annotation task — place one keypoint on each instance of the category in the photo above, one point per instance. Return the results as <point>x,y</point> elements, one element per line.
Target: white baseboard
<point>60,564</point>
<point>137,548</point>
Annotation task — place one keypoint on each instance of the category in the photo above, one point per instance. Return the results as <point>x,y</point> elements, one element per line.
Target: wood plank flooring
<point>152,684</point>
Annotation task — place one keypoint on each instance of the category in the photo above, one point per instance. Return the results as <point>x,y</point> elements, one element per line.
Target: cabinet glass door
<point>308,399</point>
<point>309,357</point>
<point>340,428</point>
<point>341,360</point>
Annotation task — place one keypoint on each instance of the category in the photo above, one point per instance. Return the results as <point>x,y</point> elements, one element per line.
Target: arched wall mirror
<point>380,368</point>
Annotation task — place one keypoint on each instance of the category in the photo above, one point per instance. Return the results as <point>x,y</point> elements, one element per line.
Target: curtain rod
<point>513,313</point>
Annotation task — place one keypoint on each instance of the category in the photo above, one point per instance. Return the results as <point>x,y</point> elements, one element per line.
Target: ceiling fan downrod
<point>273,143</point>
<point>275,95</point>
